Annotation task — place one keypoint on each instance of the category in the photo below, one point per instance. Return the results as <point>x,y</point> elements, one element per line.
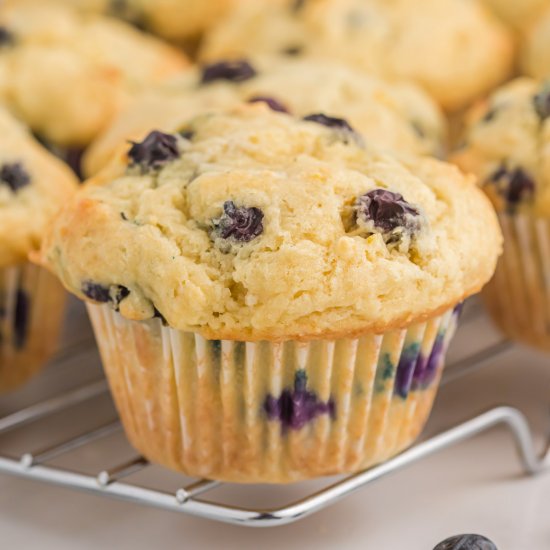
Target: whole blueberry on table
<point>466,542</point>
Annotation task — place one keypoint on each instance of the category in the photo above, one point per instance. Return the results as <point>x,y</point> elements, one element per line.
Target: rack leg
<point>509,416</point>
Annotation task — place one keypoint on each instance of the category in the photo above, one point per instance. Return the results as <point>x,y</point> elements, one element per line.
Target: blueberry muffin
<point>33,185</point>
<point>272,297</point>
<point>455,49</point>
<point>507,146</point>
<point>67,74</point>
<point>517,13</point>
<point>536,50</point>
<point>396,116</point>
<point>178,20</point>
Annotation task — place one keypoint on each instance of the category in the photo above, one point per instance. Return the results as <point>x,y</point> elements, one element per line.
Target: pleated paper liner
<point>518,297</point>
<point>270,412</point>
<point>31,313</point>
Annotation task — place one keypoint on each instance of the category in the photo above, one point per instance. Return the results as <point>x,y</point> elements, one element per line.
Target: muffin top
<point>172,19</point>
<point>507,145</point>
<point>70,73</point>
<point>33,185</point>
<point>518,13</point>
<point>455,49</point>
<point>251,224</point>
<point>179,19</point>
<point>536,51</point>
<point>396,116</point>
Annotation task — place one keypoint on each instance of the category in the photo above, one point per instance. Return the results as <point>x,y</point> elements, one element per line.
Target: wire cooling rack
<point>121,477</point>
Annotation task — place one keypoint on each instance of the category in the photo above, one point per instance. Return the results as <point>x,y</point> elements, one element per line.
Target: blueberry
<point>387,210</point>
<point>118,293</point>
<point>541,102</point>
<point>405,370</point>
<point>14,176</point>
<point>154,151</point>
<point>96,292</point>
<point>127,11</point>
<point>271,102</point>
<point>73,157</point>
<point>339,125</point>
<point>466,542</point>
<point>426,368</point>
<point>295,407</point>
<point>293,51</point>
<point>490,114</point>
<point>6,37</point>
<point>297,5</point>
<point>458,309</point>
<point>515,186</point>
<point>329,121</point>
<point>158,315</point>
<point>113,294</point>
<point>187,134</point>
<point>239,223</point>
<point>418,129</point>
<point>234,71</point>
<point>21,318</point>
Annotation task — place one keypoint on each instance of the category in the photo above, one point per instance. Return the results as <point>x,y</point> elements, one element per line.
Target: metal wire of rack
<point>115,481</point>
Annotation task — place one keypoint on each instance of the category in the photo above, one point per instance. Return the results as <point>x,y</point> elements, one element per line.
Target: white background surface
<point>476,486</point>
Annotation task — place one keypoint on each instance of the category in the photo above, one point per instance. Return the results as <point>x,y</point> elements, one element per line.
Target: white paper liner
<point>31,310</point>
<point>201,407</point>
<point>518,297</point>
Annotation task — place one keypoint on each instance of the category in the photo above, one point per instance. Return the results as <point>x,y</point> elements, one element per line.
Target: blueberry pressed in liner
<point>386,210</point>
<point>239,223</point>
<point>427,367</point>
<point>271,102</point>
<point>113,294</point>
<point>541,102</point>
<point>14,176</point>
<point>21,319</point>
<point>154,151</point>
<point>458,309</point>
<point>405,370</point>
<point>233,71</point>
<point>295,407</point>
<point>466,542</point>
<point>384,372</point>
<point>515,186</point>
